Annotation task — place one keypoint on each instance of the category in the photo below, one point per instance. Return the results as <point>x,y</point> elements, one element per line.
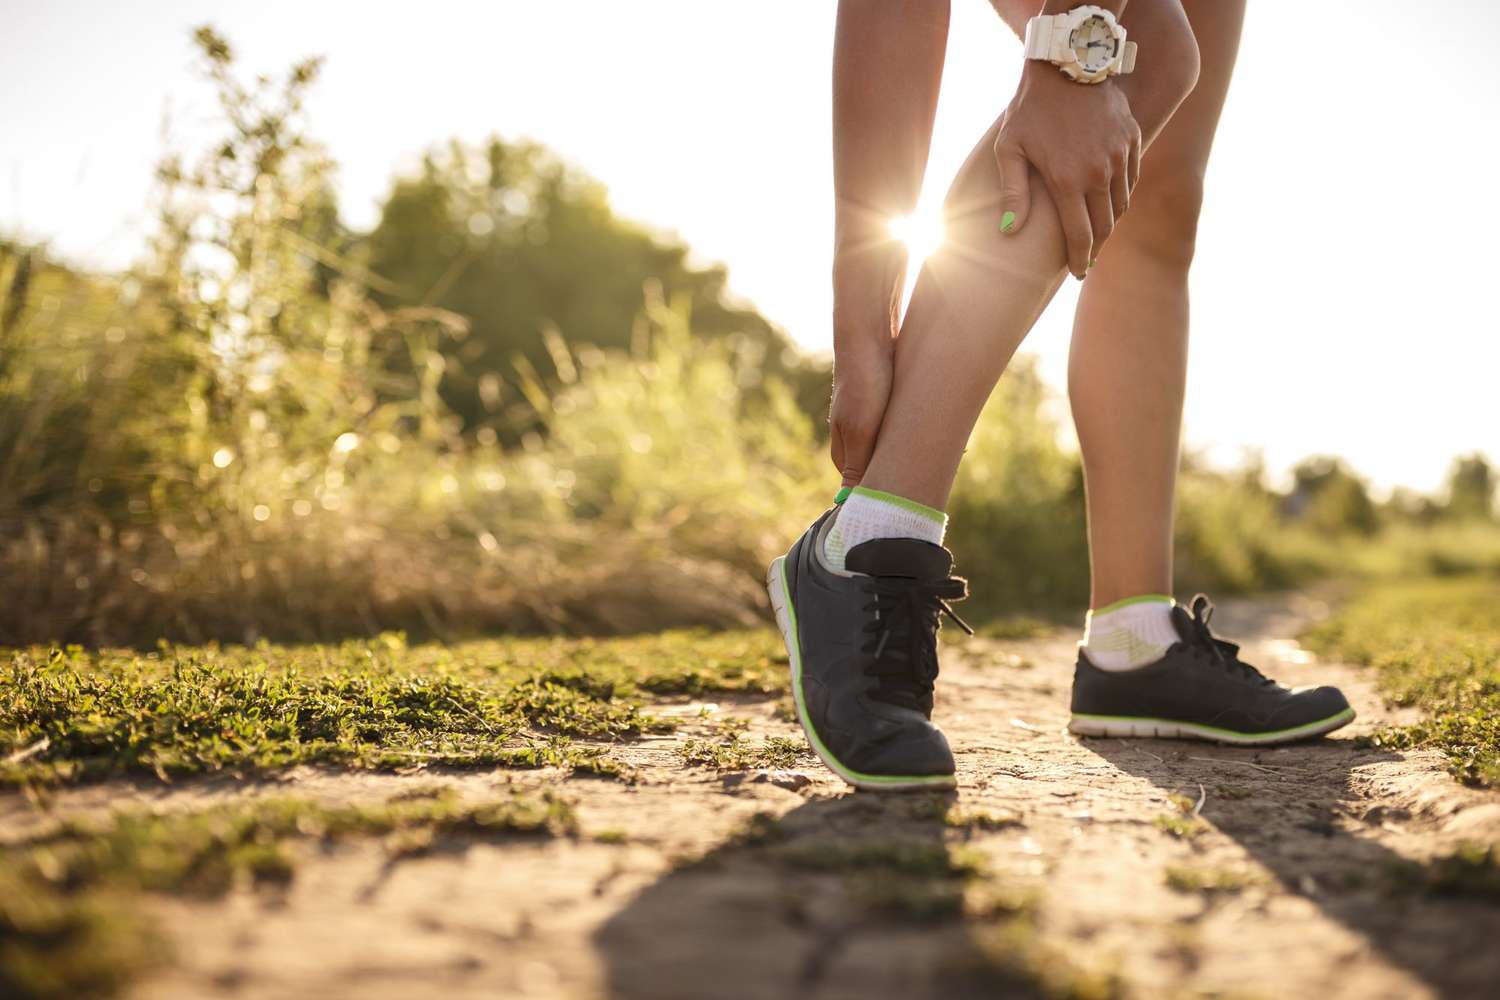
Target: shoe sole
<point>786,621</point>
<point>1126,726</point>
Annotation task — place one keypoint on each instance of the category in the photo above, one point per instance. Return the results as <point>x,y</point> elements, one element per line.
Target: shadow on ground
<point>858,896</point>
<point>1313,830</point>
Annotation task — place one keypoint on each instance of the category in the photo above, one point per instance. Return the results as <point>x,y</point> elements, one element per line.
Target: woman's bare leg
<point>1128,364</point>
<point>979,295</point>
<point>974,301</point>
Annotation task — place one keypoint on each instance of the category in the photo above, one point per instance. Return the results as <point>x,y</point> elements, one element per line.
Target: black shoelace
<point>902,637</point>
<point>1226,654</point>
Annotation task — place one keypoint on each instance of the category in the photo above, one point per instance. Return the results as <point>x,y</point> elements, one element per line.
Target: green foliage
<point>76,715</point>
<point>1017,509</point>
<point>1329,497</point>
<point>1471,489</point>
<point>1231,539</point>
<point>1436,645</point>
<point>527,249</point>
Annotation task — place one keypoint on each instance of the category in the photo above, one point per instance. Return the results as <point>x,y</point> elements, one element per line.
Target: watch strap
<point>1039,36</point>
<point>1127,58</point>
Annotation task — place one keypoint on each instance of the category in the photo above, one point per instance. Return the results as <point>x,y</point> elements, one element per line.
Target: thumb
<point>856,457</point>
<point>1015,188</point>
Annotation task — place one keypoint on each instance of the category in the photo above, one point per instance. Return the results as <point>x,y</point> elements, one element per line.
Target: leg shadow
<point>858,896</point>
<point>1299,812</point>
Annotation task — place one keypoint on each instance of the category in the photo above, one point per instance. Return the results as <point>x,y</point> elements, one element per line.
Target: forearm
<point>887,66</point>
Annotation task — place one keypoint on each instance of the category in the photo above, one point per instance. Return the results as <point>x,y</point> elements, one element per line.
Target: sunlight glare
<point>922,232</point>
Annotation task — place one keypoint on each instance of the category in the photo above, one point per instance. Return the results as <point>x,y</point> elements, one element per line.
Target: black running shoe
<point>863,649</point>
<point>1201,690</point>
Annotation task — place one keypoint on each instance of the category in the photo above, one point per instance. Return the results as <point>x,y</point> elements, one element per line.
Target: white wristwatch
<point>1086,43</point>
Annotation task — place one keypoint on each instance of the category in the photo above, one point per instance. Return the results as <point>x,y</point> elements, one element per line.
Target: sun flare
<point>922,232</point>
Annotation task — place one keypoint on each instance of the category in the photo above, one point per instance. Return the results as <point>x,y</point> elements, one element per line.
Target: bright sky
<point>1343,300</point>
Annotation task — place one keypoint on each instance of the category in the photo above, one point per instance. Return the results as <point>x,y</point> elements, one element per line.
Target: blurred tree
<point>1406,504</point>
<point>1328,496</point>
<point>527,248</point>
<point>1471,488</point>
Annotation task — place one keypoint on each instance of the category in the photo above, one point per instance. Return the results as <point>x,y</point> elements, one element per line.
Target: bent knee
<point>1162,222</point>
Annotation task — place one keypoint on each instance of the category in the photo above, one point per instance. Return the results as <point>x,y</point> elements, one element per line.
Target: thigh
<point>1181,151</point>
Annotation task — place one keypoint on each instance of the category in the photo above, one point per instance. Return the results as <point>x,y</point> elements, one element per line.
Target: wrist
<point>1115,7</point>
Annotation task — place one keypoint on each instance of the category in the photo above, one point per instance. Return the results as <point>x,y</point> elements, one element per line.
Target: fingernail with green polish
<point>1007,222</point>
<point>843,494</point>
<point>1093,262</point>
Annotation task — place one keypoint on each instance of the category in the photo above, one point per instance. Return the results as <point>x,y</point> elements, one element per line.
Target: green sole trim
<point>1128,601</point>
<point>931,513</point>
<point>794,651</point>
<point>1230,735</point>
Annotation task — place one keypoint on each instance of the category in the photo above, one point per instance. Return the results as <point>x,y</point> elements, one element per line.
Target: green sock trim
<point>1140,599</point>
<point>842,494</point>
<point>933,515</point>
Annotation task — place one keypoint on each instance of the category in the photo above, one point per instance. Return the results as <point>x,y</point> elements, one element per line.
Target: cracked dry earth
<point>682,906</point>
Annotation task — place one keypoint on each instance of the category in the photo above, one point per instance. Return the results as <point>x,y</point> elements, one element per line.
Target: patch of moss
<point>1011,958</point>
<point>69,714</point>
<point>1434,644</point>
<point>1180,826</point>
<point>1472,871</point>
<point>734,753</point>
<point>891,855</point>
<point>1233,792</point>
<point>1184,878</point>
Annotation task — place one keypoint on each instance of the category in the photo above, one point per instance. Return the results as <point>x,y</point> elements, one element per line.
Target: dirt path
<point>674,900</point>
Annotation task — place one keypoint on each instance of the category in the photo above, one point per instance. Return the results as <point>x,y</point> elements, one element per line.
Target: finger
<point>836,446</point>
<point>1135,159</point>
<point>1101,219</point>
<point>1119,192</point>
<point>1015,188</point>
<point>1078,231</point>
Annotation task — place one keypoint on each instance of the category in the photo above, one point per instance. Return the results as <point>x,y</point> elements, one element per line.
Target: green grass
<point>918,881</point>
<point>1472,871</point>
<point>70,714</point>
<point>1185,878</point>
<point>734,753</point>
<point>1181,827</point>
<point>1435,645</point>
<point>69,919</point>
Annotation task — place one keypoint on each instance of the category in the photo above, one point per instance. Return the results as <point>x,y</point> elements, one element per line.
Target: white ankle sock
<point>1129,633</point>
<point>868,514</point>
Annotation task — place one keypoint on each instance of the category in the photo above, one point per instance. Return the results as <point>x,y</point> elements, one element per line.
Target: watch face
<point>1093,43</point>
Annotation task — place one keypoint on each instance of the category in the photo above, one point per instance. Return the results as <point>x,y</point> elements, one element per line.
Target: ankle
<point>868,514</point>
<point>1130,632</point>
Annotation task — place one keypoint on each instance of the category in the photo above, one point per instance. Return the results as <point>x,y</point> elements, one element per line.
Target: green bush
<point>1017,506</point>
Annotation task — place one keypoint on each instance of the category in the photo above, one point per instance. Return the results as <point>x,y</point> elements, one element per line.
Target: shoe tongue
<point>1183,623</point>
<point>900,557</point>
